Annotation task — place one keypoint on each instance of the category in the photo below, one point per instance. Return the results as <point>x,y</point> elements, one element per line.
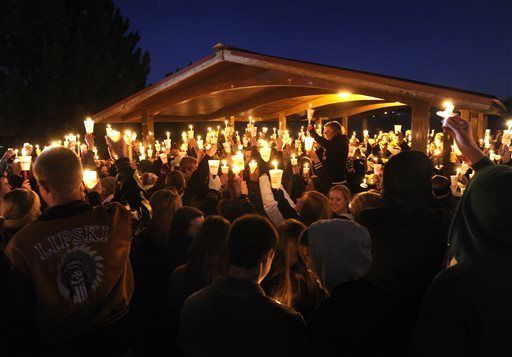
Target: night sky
<point>462,44</point>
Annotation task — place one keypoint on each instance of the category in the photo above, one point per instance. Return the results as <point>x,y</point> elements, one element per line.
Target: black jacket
<point>336,153</point>
<point>235,318</point>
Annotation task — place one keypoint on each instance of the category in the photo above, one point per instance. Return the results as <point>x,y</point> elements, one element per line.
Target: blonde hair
<point>343,190</point>
<point>60,169</point>
<point>18,208</point>
<point>164,204</point>
<point>365,200</point>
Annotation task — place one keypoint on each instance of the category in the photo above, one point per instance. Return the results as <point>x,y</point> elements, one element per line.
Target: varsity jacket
<point>76,262</point>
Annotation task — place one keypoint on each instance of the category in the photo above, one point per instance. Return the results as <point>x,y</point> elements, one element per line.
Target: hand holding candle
<point>276,176</point>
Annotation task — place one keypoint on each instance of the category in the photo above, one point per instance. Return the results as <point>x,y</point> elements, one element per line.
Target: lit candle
<point>224,167</point>
<point>184,137</point>
<point>199,142</point>
<point>38,150</point>
<point>90,178</point>
<point>276,176</point>
<point>190,132</point>
<point>214,166</point>
<point>507,134</point>
<point>253,166</point>
<point>294,160</point>
<point>447,112</point>
<point>308,143</point>
<point>89,125</point>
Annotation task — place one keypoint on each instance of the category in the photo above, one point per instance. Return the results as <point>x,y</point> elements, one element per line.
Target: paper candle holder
<point>214,166</point>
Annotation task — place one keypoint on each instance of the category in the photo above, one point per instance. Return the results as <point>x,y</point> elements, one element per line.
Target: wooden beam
<point>145,129</point>
<point>420,125</point>
<point>358,110</point>
<point>322,101</point>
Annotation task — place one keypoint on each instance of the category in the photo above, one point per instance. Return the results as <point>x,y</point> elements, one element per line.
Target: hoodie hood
<point>481,228</point>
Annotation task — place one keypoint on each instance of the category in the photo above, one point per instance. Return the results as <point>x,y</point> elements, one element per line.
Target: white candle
<point>214,166</point>
<point>253,166</point>
<point>308,143</point>
<point>276,176</point>
<point>224,167</point>
<point>90,178</point>
<point>190,132</point>
<point>294,160</point>
<point>89,125</point>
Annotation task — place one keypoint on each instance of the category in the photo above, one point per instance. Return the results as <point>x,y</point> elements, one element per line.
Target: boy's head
<point>58,171</point>
<point>252,241</point>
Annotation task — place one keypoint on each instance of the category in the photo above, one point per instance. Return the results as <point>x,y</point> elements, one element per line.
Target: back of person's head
<point>228,209</point>
<point>314,206</point>
<point>480,228</point>
<point>187,164</point>
<point>440,186</point>
<point>149,179</point>
<point>336,127</point>
<point>209,256</point>
<point>164,205</point>
<point>250,238</point>
<point>365,200</point>
<point>176,180</point>
<point>288,255</point>
<point>183,219</point>
<point>19,207</point>
<point>59,170</point>
<point>407,180</point>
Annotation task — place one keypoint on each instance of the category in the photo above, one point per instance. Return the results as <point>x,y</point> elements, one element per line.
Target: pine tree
<point>61,60</point>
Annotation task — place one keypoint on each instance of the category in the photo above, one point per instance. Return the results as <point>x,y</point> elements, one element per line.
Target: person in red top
<point>72,267</point>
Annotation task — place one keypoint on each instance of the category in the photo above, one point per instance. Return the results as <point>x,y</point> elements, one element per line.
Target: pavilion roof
<point>240,83</point>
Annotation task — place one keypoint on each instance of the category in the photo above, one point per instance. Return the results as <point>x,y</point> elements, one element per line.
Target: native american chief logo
<point>79,273</point>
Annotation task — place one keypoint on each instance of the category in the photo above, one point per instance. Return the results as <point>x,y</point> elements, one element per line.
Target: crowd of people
<point>162,257</point>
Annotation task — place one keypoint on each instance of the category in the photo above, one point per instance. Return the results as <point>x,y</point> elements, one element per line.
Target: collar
<point>237,287</point>
<point>66,210</point>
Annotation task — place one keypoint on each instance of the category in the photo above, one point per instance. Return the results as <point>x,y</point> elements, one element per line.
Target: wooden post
<point>420,125</point>
<point>481,126</point>
<point>365,122</point>
<point>148,129</point>
<point>344,122</point>
<point>144,123</point>
<point>282,121</point>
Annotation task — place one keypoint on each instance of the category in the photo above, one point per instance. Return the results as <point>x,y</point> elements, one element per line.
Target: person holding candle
<point>51,271</point>
<point>467,307</point>
<point>335,144</point>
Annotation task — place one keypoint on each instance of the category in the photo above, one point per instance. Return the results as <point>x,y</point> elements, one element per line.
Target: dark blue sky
<point>463,44</point>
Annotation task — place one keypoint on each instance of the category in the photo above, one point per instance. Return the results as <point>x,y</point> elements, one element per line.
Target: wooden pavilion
<point>233,84</point>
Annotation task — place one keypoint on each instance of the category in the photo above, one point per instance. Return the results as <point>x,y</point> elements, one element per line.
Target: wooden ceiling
<point>239,83</point>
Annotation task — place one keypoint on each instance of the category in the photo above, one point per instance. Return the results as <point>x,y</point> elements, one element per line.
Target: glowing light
<point>343,95</point>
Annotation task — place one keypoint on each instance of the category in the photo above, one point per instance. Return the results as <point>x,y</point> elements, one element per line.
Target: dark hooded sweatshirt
<point>467,310</point>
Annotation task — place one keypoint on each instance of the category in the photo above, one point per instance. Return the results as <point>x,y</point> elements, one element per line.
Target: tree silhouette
<point>61,60</point>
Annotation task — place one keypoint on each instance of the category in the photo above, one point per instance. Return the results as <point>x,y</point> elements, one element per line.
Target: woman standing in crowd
<point>208,261</point>
<point>335,144</point>
<point>291,280</point>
